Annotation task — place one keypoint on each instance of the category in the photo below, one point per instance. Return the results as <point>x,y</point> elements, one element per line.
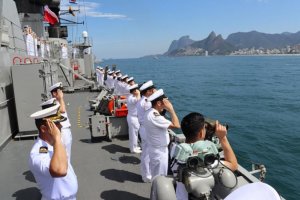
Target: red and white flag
<point>50,16</point>
<point>72,1</point>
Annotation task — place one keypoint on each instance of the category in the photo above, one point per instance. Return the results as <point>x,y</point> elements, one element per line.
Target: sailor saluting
<point>132,120</point>
<point>156,127</point>
<point>57,93</point>
<point>142,106</point>
<point>48,160</point>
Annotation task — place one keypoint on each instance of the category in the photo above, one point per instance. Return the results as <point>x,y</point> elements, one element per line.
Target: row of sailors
<point>35,46</point>
<point>140,100</point>
<point>114,81</point>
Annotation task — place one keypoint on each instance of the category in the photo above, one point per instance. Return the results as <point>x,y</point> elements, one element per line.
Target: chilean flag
<point>50,16</point>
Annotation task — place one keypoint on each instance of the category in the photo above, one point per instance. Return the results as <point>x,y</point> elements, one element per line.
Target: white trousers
<point>133,129</point>
<point>100,80</point>
<point>145,160</point>
<point>158,161</point>
<point>66,137</point>
<point>69,198</point>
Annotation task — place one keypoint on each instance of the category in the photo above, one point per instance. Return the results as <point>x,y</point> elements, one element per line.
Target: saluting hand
<point>53,130</point>
<point>60,94</point>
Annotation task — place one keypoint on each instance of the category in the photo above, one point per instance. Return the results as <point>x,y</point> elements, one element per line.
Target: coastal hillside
<point>252,42</point>
<point>183,42</point>
<point>213,44</point>
<point>263,40</point>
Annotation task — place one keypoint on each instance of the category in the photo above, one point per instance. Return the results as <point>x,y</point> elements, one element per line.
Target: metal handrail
<point>4,102</point>
<point>79,76</point>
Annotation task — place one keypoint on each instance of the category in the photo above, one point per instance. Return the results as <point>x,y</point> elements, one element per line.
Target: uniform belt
<point>158,146</point>
<point>72,197</point>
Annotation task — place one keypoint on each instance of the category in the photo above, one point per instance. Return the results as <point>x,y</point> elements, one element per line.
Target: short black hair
<point>39,123</point>
<point>143,92</point>
<point>191,124</point>
<point>132,90</point>
<point>158,99</point>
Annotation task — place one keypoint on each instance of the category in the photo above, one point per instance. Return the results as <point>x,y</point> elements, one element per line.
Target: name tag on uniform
<point>43,150</point>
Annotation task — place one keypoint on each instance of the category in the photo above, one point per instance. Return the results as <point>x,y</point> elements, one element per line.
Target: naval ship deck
<point>105,170</point>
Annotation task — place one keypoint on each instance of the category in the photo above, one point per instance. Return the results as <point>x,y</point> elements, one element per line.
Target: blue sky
<point>135,28</point>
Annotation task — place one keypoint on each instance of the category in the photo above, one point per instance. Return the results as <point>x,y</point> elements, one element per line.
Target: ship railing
<point>80,40</point>
<point>12,34</point>
<point>92,83</point>
<point>3,103</point>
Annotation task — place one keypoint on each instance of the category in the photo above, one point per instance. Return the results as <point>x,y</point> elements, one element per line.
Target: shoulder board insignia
<point>156,114</point>
<point>43,149</point>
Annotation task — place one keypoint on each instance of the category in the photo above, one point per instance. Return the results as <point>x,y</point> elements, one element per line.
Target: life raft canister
<point>117,112</point>
<point>122,111</point>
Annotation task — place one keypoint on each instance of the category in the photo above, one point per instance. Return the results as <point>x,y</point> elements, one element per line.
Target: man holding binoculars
<point>195,128</point>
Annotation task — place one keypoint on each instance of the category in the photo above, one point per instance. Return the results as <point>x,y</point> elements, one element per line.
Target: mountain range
<point>216,45</point>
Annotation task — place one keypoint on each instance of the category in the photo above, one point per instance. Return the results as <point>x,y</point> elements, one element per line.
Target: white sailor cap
<point>25,26</point>
<point>118,71</point>
<point>119,76</point>
<point>110,72</point>
<point>56,85</point>
<point>157,94</point>
<point>147,85</point>
<point>51,113</point>
<point>49,103</point>
<point>125,76</point>
<point>133,87</point>
<point>130,79</point>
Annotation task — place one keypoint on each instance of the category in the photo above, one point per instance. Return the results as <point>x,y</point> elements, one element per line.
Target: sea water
<point>257,96</point>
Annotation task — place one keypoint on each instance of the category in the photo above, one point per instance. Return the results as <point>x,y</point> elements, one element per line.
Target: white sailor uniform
<point>51,188</point>
<point>142,106</point>
<point>109,82</point>
<point>100,77</point>
<point>48,50</point>
<point>42,49</point>
<point>156,127</point>
<point>117,86</point>
<point>66,134</point>
<point>35,42</point>
<point>64,52</point>
<point>133,123</point>
<point>30,45</point>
